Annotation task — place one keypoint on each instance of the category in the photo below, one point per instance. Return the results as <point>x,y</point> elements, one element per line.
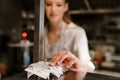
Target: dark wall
<point>10,15</point>
<point>10,12</point>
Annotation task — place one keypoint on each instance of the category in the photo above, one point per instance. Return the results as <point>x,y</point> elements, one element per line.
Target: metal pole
<point>39,35</point>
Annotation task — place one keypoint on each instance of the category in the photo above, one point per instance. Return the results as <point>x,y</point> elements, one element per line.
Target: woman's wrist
<point>79,67</point>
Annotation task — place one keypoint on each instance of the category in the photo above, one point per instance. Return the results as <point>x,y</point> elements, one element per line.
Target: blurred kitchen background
<point>100,19</point>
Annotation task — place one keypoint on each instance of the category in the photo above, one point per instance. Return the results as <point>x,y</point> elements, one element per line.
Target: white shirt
<point>73,39</point>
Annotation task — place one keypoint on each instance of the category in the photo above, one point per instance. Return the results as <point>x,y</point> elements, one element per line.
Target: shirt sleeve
<point>81,45</point>
<point>81,49</point>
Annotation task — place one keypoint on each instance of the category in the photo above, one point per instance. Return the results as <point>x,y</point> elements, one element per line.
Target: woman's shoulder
<point>72,27</point>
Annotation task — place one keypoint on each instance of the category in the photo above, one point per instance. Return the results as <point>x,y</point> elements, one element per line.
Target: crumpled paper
<point>43,70</point>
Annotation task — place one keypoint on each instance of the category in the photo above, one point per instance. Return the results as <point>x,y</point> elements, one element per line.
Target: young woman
<point>66,42</point>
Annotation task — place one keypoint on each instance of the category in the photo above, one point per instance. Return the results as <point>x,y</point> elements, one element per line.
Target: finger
<point>65,62</point>
<point>70,63</point>
<point>56,57</point>
<point>63,57</point>
<point>54,60</point>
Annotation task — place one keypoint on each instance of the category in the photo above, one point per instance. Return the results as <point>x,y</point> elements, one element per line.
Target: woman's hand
<point>77,68</point>
<point>65,59</point>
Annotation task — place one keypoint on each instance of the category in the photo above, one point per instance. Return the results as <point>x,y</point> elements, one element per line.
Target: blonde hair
<point>66,16</point>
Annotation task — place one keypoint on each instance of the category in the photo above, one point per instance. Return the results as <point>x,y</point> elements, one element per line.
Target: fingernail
<point>67,66</point>
<point>52,64</point>
<point>58,63</point>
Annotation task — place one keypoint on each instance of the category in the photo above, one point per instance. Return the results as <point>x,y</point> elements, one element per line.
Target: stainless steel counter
<point>89,76</point>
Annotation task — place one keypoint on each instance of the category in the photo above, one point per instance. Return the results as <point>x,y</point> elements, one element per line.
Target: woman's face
<point>55,9</point>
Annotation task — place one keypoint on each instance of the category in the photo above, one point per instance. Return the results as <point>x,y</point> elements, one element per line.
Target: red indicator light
<point>24,34</point>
